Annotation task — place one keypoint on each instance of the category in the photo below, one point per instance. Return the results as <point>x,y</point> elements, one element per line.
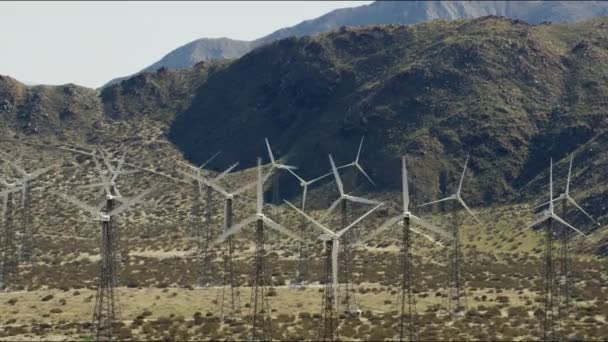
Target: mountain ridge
<point>386,12</point>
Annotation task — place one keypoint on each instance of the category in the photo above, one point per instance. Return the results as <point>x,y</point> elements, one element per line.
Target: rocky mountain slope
<point>386,12</point>
<point>509,93</point>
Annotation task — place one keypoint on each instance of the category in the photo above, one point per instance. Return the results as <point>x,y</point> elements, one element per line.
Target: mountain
<point>508,93</point>
<point>386,12</point>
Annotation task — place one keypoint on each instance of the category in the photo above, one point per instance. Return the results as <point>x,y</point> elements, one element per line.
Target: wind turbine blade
<point>359,150</point>
<point>426,225</point>
<point>569,174</point>
<point>260,187</point>
<point>302,181</point>
<point>209,160</point>
<point>360,200</point>
<point>319,178</point>
<point>206,182</point>
<point>93,185</point>
<point>541,205</point>
<point>118,169</point>
<point>343,231</point>
<point>438,201</point>
<point>331,208</point>
<point>313,221</point>
<point>75,201</point>
<point>536,223</point>
<point>464,169</point>
<point>280,228</point>
<point>228,170</point>
<point>551,186</point>
<point>286,167</point>
<point>426,236</point>
<point>467,209</point>
<point>125,172</point>
<point>389,223</point>
<point>336,175</point>
<point>40,172</point>
<point>106,160</point>
<point>365,174</point>
<point>126,203</point>
<point>571,200</point>
<point>335,244</point>
<point>235,228</point>
<point>406,192</point>
<point>558,219</point>
<point>244,188</point>
<point>269,151</point>
<point>15,166</point>
<point>85,153</point>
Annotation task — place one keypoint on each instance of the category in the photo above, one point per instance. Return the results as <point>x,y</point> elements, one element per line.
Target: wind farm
<point>438,181</point>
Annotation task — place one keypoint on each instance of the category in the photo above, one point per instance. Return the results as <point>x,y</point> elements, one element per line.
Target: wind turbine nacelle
<point>325,237</point>
<point>102,218</point>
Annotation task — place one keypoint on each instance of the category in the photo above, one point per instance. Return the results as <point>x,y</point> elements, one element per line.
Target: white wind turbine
<point>98,212</point>
<point>332,241</point>
<point>549,214</point>
<point>356,164</point>
<point>344,197</point>
<point>259,215</point>
<point>24,182</point>
<point>565,196</point>
<point>273,162</point>
<point>407,216</point>
<point>304,185</point>
<point>457,196</point>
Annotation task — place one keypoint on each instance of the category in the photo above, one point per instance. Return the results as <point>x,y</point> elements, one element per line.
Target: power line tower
<point>328,330</point>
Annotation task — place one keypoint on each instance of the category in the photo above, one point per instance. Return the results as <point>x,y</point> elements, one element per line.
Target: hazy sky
<point>89,43</point>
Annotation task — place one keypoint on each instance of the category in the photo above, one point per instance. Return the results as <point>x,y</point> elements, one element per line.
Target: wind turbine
<point>27,222</point>
<point>549,216</point>
<point>302,267</point>
<point>356,163</point>
<point>455,260</point>
<point>347,245</point>
<point>275,179</point>
<point>344,197</point>
<point>332,243</point>
<point>104,313</point>
<point>566,198</point>
<point>407,293</point>
<point>259,305</point>
<point>198,230</point>
<point>229,276</point>
<point>10,256</point>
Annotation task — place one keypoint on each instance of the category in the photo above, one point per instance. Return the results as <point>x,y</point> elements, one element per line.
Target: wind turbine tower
<point>330,303</point>
<point>456,290</point>
<point>10,257</point>
<point>303,248</point>
<point>408,328</point>
<point>106,310</point>
<point>229,281</point>
<point>549,295</point>
<point>259,306</point>
<point>347,247</point>
<point>26,203</point>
